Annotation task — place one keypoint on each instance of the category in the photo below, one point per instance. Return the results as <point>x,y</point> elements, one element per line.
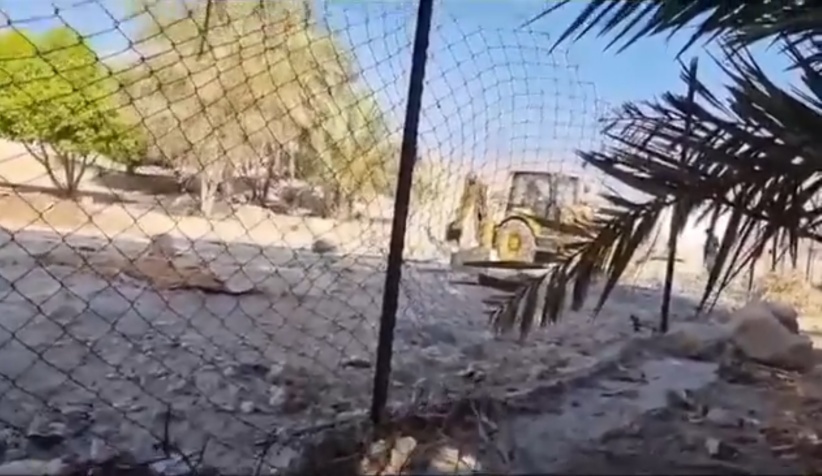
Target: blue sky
<point>493,94</point>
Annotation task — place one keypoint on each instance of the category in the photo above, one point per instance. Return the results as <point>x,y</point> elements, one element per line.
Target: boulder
<point>762,337</point>
<point>697,340</point>
<point>786,315</point>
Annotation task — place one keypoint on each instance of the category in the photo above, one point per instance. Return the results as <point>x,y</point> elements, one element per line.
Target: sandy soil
<point>97,356</point>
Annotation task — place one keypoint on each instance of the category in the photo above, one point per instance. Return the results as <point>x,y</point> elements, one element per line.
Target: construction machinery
<point>528,226</point>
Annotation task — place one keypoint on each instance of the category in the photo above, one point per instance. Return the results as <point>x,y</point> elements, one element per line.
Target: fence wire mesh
<point>196,203</point>
<point>190,257</point>
<point>496,102</point>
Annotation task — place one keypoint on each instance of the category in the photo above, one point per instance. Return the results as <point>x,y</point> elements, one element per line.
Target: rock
<point>763,338</point>
<point>321,246</point>
<point>77,417</point>
<point>722,417</point>
<point>696,340</point>
<point>171,467</point>
<point>682,400</point>
<point>473,373</point>
<point>277,396</point>
<point>275,373</point>
<point>239,283</point>
<point>207,381</point>
<point>100,452</point>
<point>255,370</point>
<point>177,386</point>
<point>374,461</point>
<point>380,458</point>
<point>356,363</point>
<point>718,449</point>
<point>33,467</point>
<point>46,433</point>
<point>247,407</point>
<point>400,455</point>
<point>448,460</point>
<point>163,245</point>
<point>230,371</point>
<point>786,315</point>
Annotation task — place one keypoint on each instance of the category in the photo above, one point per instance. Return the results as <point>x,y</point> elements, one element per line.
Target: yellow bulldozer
<point>527,227</point>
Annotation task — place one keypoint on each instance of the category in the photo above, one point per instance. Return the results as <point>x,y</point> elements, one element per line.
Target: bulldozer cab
<point>542,194</point>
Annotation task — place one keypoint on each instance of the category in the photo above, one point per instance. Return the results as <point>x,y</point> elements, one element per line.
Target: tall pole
<point>393,274</point>
<point>676,216</point>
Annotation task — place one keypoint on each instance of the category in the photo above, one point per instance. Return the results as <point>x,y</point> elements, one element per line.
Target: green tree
<point>256,89</point>
<point>752,153</point>
<point>58,100</point>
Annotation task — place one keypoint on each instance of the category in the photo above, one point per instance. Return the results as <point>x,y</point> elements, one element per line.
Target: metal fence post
<point>393,273</point>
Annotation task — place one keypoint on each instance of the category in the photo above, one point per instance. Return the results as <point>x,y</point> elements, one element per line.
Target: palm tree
<point>752,156</point>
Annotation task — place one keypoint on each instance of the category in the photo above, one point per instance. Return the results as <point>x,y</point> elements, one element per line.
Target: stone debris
<point>278,396</point>
<point>697,340</point>
<point>163,245</point>
<point>231,365</point>
<point>718,449</point>
<point>786,315</point>
<point>45,432</point>
<point>356,363</point>
<point>247,407</point>
<point>175,466</point>
<point>448,460</point>
<point>407,456</point>
<point>33,467</point>
<point>382,459</point>
<point>323,246</point>
<point>723,418</point>
<point>762,336</point>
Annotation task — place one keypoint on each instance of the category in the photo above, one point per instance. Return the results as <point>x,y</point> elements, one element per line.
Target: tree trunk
<point>74,169</point>
<point>208,194</point>
<point>262,198</point>
<point>292,166</point>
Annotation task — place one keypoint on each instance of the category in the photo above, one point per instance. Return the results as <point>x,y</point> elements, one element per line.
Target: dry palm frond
<point>756,157</point>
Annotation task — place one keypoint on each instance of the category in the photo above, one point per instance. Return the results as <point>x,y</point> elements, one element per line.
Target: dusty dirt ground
<point>766,421</point>
<point>725,416</point>
<point>116,204</point>
<point>111,357</point>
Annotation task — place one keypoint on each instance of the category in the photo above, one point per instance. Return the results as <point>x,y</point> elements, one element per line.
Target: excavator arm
<point>471,218</point>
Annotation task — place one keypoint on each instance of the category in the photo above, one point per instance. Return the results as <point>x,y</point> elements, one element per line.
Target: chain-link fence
<point>196,207</point>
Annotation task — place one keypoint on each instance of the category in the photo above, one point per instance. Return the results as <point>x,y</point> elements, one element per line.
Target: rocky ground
<point>692,402</point>
<point>93,364</point>
<point>768,423</point>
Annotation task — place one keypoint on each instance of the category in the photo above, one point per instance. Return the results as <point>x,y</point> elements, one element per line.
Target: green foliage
<point>256,86</point>
<point>58,100</point>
